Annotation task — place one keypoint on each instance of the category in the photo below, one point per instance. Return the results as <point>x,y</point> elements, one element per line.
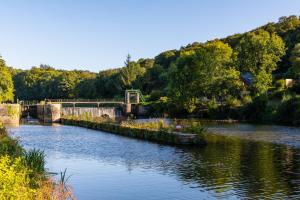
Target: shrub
<point>14,179</point>
<point>194,127</point>
<point>289,112</point>
<point>255,111</point>
<point>8,146</point>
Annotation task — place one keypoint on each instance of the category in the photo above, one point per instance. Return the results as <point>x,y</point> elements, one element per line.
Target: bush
<point>14,179</point>
<point>8,146</point>
<point>212,108</point>
<point>255,111</point>
<point>194,127</point>
<point>289,112</point>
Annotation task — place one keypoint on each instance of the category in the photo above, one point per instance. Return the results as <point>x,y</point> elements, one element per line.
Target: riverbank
<point>161,135</point>
<point>23,175</point>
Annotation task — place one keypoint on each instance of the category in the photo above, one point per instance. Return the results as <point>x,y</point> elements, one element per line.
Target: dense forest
<point>241,76</point>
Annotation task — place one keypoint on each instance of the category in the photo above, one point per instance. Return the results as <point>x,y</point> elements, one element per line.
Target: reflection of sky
<point>109,166</point>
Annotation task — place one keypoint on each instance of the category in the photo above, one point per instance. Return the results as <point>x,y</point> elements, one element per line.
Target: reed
<point>35,161</point>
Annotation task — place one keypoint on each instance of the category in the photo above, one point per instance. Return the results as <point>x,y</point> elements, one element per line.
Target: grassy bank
<point>193,133</point>
<point>23,175</point>
<point>153,131</point>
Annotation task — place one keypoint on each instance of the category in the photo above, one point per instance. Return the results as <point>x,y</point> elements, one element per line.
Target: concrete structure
<point>132,97</point>
<point>53,110</point>
<point>111,112</point>
<point>10,113</point>
<point>289,83</point>
<point>49,113</point>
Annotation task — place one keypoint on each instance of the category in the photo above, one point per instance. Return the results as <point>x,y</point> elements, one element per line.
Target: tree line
<point>197,77</point>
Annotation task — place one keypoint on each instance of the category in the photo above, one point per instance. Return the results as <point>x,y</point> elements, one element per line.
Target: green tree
<point>258,53</point>
<point>67,83</point>
<point>295,60</point>
<point>207,71</point>
<point>6,83</point>
<point>130,72</point>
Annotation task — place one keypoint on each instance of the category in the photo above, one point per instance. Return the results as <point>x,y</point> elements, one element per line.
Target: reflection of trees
<point>247,169</point>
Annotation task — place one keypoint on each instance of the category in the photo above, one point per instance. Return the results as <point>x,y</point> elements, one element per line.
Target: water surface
<point>107,166</point>
<point>269,133</point>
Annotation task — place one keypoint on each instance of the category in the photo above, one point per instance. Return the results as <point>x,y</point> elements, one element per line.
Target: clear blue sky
<point>97,34</point>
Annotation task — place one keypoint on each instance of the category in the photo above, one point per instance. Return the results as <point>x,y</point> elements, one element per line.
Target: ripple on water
<point>115,167</point>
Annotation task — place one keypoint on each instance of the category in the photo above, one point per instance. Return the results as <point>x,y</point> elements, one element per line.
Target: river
<point>107,166</point>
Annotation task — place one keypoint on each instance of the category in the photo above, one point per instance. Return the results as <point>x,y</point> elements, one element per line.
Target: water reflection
<point>269,133</point>
<point>115,167</point>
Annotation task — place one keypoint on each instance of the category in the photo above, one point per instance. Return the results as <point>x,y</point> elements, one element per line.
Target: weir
<point>50,113</point>
<point>52,110</point>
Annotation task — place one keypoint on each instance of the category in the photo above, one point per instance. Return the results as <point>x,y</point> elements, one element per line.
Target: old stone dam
<point>107,166</point>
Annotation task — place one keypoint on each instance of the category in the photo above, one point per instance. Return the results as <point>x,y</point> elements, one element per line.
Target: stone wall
<point>159,136</point>
<point>10,113</point>
<point>111,112</point>
<point>49,113</point>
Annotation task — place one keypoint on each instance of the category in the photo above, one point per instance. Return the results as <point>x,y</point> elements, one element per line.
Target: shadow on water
<point>239,169</point>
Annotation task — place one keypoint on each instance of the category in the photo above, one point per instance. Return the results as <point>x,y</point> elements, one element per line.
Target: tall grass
<point>35,160</point>
<point>187,126</point>
<point>153,125</point>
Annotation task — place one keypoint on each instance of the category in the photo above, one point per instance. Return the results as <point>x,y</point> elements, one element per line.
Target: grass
<point>154,125</point>
<point>187,126</point>
<point>35,160</point>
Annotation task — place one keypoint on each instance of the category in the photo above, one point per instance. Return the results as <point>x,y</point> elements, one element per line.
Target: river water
<point>107,166</point>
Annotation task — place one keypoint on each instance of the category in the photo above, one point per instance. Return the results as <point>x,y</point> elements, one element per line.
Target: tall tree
<point>258,53</point>
<point>130,72</point>
<point>6,83</point>
<point>206,72</point>
<point>295,60</point>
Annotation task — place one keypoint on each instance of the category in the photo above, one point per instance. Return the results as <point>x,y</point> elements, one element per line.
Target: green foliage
<point>14,180</point>
<point>258,53</point>
<point>289,111</point>
<point>196,77</point>
<point>6,83</point>
<point>294,71</point>
<point>205,71</point>
<point>166,58</point>
<point>256,109</point>
<point>35,160</point>
<point>130,72</point>
<point>194,127</point>
<point>9,146</point>
<point>39,83</point>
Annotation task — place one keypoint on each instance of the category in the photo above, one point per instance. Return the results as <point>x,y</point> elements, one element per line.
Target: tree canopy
<point>6,83</point>
<point>258,53</point>
<point>189,79</point>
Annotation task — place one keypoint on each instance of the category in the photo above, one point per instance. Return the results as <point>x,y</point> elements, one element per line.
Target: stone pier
<point>49,113</point>
<point>10,113</point>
